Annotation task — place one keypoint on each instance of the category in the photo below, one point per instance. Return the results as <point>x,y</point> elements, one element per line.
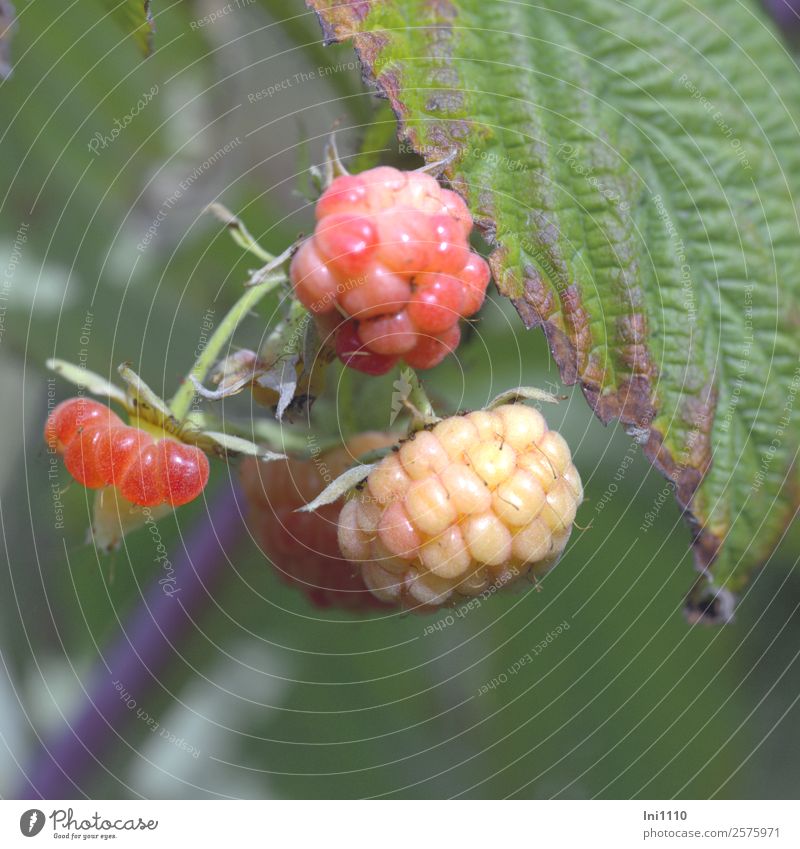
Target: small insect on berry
<point>479,501</point>
<point>390,251</point>
<point>303,546</point>
<point>100,450</point>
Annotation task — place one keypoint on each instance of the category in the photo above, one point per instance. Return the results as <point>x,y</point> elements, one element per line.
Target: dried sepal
<point>142,401</point>
<point>113,517</point>
<point>229,445</point>
<point>238,231</point>
<point>85,379</point>
<point>523,393</point>
<point>339,487</point>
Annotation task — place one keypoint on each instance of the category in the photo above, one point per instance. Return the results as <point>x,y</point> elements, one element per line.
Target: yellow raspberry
<point>480,500</point>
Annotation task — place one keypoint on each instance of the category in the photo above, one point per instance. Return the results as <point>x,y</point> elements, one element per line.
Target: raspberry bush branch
<point>462,504</point>
<point>644,296</point>
<point>159,459</point>
<point>182,400</point>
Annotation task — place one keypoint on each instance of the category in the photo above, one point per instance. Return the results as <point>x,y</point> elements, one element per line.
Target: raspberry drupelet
<point>480,500</point>
<point>302,546</point>
<point>391,252</point>
<point>100,450</point>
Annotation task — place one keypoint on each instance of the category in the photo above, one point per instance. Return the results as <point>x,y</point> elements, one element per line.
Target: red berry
<point>80,453</point>
<point>314,284</point>
<point>431,350</point>
<point>436,303</point>
<point>456,208</point>
<point>384,186</point>
<point>421,191</point>
<point>390,250</point>
<point>118,449</point>
<point>72,414</point>
<point>353,353</point>
<point>347,242</point>
<point>378,292</point>
<point>407,240</point>
<point>475,276</point>
<point>389,334</point>
<point>451,251</point>
<point>303,546</point>
<point>106,452</point>
<point>347,193</point>
<point>141,482</point>
<point>184,471</point>
<point>164,472</point>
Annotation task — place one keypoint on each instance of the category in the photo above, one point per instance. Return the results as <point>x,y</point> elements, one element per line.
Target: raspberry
<point>303,546</point>
<point>352,352</point>
<point>437,302</point>
<point>390,251</point>
<point>100,450</point>
<point>480,500</point>
<point>431,350</point>
<point>347,243</point>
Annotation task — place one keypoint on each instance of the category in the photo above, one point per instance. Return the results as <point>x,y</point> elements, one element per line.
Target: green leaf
<point>634,168</point>
<point>135,16</point>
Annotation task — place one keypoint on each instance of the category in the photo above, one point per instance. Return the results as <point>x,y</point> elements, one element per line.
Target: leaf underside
<point>634,168</point>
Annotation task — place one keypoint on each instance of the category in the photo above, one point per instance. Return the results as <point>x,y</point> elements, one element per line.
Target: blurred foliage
<point>281,699</point>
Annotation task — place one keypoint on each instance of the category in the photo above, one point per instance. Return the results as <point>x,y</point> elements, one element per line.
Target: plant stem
<point>182,400</point>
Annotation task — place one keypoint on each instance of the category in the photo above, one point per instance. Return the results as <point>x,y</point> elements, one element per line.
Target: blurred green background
<point>278,698</point>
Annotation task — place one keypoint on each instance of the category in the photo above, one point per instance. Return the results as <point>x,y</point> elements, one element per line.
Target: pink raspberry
<point>391,252</point>
<point>480,500</point>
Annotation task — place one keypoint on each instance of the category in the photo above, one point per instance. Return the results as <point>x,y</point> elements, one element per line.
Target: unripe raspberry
<point>480,500</point>
<point>303,546</point>
<point>390,251</point>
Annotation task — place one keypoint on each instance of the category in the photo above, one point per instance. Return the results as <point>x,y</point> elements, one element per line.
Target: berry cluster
<point>390,251</point>
<point>99,450</point>
<point>479,500</point>
<point>302,546</point>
